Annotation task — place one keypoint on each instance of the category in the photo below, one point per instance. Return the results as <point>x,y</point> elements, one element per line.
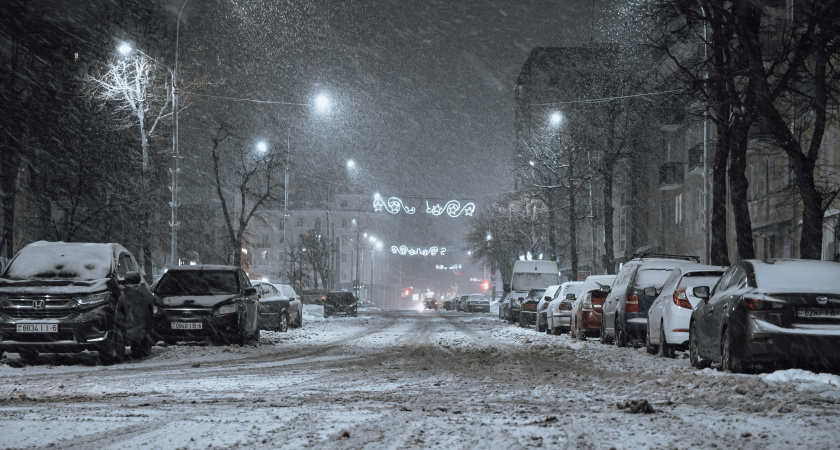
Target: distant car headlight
<point>225,309</point>
<point>93,299</point>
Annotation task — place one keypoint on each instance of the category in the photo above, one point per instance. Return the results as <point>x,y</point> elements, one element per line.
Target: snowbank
<point>802,376</point>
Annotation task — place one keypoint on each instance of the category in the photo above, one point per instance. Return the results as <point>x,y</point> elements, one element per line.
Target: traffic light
<point>485,286</point>
<point>407,292</point>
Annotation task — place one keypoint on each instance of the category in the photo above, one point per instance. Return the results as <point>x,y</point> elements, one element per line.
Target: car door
<point>710,311</point>
<point>136,297</point>
<point>657,308</point>
<point>251,302</point>
<point>618,290</point>
<point>294,299</point>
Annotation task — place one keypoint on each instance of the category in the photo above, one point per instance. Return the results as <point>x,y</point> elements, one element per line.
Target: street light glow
<point>262,146</point>
<point>124,49</point>
<point>556,118</point>
<point>322,102</point>
<point>351,164</point>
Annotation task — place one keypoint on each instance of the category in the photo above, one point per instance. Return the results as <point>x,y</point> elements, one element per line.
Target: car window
<point>719,286</point>
<point>653,276</point>
<point>197,282</point>
<point>738,280</point>
<point>125,265</point>
<point>243,280</point>
<point>289,291</point>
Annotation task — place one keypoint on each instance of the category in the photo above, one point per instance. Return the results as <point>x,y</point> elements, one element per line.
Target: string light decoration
<point>413,251</point>
<point>452,208</point>
<point>395,205</point>
<point>452,267</point>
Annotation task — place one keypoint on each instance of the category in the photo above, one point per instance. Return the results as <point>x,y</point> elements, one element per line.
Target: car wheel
<point>602,338</point>
<point>28,356</point>
<point>650,348</point>
<point>728,361</point>
<point>300,319</point>
<point>539,327</point>
<point>283,323</point>
<point>257,336</point>
<point>693,351</point>
<point>114,349</point>
<point>620,338</point>
<point>521,320</point>
<point>142,347</point>
<point>665,350</point>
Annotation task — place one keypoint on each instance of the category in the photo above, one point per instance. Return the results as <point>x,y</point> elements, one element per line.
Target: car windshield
<point>527,281</point>
<point>61,260</point>
<point>197,282</point>
<point>538,293</point>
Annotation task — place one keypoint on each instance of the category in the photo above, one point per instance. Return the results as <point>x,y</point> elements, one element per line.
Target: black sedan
<point>769,314</point>
<point>210,302</point>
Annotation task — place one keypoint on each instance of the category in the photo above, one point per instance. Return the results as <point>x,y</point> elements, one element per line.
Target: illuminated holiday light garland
<point>452,267</point>
<point>394,205</point>
<point>412,251</point>
<point>452,208</point>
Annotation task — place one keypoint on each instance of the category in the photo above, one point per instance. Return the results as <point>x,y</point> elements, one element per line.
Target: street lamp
<point>322,102</point>
<point>556,118</point>
<point>262,146</point>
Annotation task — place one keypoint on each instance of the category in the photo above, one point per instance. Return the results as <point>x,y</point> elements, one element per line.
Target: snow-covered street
<point>409,379</point>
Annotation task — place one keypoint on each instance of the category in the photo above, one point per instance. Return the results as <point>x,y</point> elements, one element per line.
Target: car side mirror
<point>571,296</point>
<point>506,287</point>
<point>249,291</point>
<point>650,291</point>
<point>701,292</point>
<point>132,278</point>
<point>606,288</point>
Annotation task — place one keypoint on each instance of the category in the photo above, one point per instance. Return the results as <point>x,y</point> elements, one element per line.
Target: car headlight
<point>225,309</point>
<point>93,299</point>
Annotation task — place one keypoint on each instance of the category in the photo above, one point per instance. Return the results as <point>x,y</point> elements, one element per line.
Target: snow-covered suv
<point>69,297</point>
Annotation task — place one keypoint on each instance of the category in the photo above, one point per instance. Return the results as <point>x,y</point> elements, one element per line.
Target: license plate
<point>186,325</point>
<point>819,313</point>
<point>37,328</point>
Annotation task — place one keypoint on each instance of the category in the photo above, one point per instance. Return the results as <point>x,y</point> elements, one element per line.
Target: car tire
<point>694,357</point>
<point>113,351</point>
<point>257,336</point>
<point>620,338</point>
<point>602,338</point>
<point>283,323</point>
<point>142,347</point>
<point>28,356</point>
<point>300,319</point>
<point>649,348</point>
<point>728,361</point>
<point>539,328</point>
<point>665,350</point>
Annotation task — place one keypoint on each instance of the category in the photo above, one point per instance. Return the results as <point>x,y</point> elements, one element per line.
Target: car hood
<point>52,286</point>
<point>193,300</point>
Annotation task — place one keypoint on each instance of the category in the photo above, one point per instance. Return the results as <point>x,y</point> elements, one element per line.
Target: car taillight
<point>530,307</point>
<point>631,303</point>
<point>587,300</point>
<point>681,300</point>
<point>566,306</point>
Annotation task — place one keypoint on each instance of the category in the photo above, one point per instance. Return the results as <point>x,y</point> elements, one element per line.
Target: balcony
<point>671,176</point>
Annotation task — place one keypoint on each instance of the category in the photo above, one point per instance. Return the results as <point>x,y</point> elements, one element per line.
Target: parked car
<point>504,306</point>
<point>430,303</point>
<point>769,314</point>
<point>559,311</point>
<point>670,314</point>
<point>69,297</point>
<point>462,303</point>
<point>587,307</point>
<point>340,303</point>
<point>295,305</point>
<point>528,307</point>
<point>635,287</point>
<point>213,303</point>
<point>477,303</point>
<point>528,275</point>
<point>275,309</point>
<point>542,306</point>
<point>449,305</point>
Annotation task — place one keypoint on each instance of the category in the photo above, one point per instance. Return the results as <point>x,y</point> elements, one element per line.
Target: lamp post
<point>323,105</point>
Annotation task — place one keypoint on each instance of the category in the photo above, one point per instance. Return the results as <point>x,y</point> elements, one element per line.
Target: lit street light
<point>262,146</point>
<point>556,118</point>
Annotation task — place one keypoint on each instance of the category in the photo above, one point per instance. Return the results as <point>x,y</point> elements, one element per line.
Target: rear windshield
<point>530,280</point>
<point>573,288</point>
<point>651,277</point>
<point>343,298</point>
<point>197,282</point>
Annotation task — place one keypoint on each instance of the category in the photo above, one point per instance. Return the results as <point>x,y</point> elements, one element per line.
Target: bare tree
<point>252,176</point>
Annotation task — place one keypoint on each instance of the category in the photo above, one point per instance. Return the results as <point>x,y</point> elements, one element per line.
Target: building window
<point>300,221</point>
<point>317,223</point>
<point>751,183</point>
<point>678,208</point>
<point>343,223</point>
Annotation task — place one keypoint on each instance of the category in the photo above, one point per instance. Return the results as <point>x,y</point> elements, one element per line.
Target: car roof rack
<point>665,255</point>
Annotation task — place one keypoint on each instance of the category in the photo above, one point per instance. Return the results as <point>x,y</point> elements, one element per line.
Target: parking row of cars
<point>468,303</point>
<point>71,297</point>
<point>755,315</point>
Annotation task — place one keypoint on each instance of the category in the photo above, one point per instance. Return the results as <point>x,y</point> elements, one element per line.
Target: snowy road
<point>408,379</point>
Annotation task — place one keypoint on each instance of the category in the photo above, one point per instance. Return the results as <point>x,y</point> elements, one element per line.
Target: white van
<point>529,275</point>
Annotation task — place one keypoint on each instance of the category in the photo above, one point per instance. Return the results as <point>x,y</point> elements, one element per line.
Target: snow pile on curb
<point>802,376</point>
<point>313,313</point>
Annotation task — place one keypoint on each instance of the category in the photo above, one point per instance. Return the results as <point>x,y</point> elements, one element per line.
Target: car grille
<point>187,313</point>
<point>39,308</point>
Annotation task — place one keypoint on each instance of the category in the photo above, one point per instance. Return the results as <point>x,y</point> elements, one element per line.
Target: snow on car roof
<point>797,275</point>
<point>69,260</point>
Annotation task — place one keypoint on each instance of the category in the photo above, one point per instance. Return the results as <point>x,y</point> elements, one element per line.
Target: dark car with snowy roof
<point>340,303</point>
<point>60,297</point>
<point>212,303</point>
